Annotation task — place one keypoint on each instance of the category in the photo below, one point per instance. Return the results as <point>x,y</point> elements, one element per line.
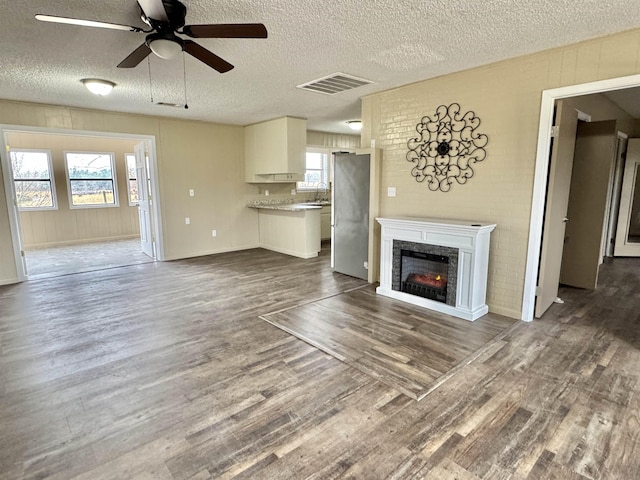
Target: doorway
<point>549,97</point>
<point>78,206</point>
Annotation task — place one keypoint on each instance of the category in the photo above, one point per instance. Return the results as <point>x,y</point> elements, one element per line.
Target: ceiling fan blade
<point>135,57</point>
<point>205,56</point>
<point>86,23</point>
<point>154,9</point>
<point>226,30</point>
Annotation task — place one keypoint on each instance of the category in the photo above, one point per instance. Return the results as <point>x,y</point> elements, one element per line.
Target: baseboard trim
<point>66,243</point>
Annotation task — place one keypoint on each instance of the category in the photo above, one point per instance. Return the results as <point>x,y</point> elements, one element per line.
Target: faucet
<point>317,198</point>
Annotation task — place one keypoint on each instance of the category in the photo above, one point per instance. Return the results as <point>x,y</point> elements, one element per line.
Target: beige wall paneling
<point>77,225</point>
<point>204,156</point>
<point>506,96</point>
<point>209,159</point>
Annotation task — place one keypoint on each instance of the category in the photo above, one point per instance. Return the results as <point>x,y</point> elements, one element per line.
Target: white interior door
<point>561,164</point>
<point>144,200</point>
<point>628,229</point>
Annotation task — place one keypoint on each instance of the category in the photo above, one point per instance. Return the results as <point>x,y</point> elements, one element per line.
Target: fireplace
<point>424,275</point>
<point>437,264</point>
<point>424,270</point>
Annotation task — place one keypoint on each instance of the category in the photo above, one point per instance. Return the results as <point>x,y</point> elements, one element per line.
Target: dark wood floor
<point>84,257</point>
<point>165,371</point>
<point>409,348</point>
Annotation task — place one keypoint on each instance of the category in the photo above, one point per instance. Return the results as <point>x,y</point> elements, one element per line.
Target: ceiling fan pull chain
<point>184,72</point>
<point>150,87</point>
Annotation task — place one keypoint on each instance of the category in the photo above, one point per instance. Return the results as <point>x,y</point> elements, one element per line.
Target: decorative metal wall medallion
<point>447,147</point>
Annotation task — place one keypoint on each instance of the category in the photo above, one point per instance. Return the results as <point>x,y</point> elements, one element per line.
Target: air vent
<point>335,83</point>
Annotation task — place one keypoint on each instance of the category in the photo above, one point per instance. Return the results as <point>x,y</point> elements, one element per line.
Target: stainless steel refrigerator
<point>350,214</point>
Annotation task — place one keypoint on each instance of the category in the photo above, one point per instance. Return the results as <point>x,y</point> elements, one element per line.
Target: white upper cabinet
<point>274,151</point>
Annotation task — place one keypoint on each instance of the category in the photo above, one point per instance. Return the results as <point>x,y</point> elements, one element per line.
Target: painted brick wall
<point>506,96</point>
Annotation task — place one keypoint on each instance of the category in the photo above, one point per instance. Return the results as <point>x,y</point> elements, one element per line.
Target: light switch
<point>391,191</point>
<point>192,192</point>
<point>187,221</point>
<point>266,193</point>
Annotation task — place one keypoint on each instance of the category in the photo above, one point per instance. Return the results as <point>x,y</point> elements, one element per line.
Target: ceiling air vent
<point>335,83</point>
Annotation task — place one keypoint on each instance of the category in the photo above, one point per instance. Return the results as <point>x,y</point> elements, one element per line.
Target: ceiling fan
<point>166,18</point>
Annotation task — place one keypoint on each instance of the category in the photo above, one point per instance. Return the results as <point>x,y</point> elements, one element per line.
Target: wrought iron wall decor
<point>447,147</point>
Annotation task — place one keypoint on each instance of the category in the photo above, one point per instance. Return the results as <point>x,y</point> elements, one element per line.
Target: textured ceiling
<point>389,42</point>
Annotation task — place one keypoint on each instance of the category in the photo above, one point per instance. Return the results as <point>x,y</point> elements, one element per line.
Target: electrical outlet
<point>187,221</point>
<point>192,192</point>
<point>214,233</point>
<point>366,265</point>
<point>391,191</point>
<point>266,193</point>
<point>293,191</point>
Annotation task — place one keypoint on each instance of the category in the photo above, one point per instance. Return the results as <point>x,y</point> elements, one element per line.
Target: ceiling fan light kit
<point>98,86</point>
<point>166,48</point>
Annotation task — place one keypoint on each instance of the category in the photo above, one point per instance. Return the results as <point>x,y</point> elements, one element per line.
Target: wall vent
<point>334,83</point>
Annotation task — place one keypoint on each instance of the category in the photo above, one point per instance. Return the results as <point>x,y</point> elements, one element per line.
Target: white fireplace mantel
<point>472,241</point>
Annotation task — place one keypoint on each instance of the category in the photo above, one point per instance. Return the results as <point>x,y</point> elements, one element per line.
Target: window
<point>91,179</point>
<point>33,179</point>
<point>317,170</point>
<point>132,182</point>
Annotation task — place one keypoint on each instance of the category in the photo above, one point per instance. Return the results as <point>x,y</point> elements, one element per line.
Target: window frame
<point>51,180</point>
<point>324,171</point>
<point>126,163</point>
<point>116,202</point>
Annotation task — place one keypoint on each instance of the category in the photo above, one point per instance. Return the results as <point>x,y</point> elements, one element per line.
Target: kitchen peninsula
<point>289,228</point>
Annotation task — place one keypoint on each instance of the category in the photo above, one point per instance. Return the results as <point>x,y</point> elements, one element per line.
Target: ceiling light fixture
<point>355,125</point>
<point>166,48</point>
<point>97,86</point>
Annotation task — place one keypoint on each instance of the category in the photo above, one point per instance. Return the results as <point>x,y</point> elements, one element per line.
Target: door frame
<point>615,189</point>
<point>541,173</point>
<point>629,179</point>
<point>14,217</point>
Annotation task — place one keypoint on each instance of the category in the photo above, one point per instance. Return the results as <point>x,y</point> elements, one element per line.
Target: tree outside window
<point>33,179</point>
<point>132,179</point>
<point>91,179</point>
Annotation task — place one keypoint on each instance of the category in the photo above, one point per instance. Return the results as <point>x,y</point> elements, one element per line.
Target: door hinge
<point>538,291</point>
<point>555,130</point>
<point>22,253</point>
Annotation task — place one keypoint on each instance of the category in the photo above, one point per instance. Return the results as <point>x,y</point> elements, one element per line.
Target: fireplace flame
<point>438,277</point>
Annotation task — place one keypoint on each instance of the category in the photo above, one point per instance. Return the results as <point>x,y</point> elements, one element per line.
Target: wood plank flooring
<point>84,257</point>
<point>409,348</point>
<point>166,371</point>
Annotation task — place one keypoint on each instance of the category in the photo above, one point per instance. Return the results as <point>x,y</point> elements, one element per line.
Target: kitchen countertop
<point>290,207</point>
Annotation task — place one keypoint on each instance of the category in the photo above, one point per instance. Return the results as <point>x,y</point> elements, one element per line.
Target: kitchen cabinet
<point>325,222</point>
<point>275,150</point>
